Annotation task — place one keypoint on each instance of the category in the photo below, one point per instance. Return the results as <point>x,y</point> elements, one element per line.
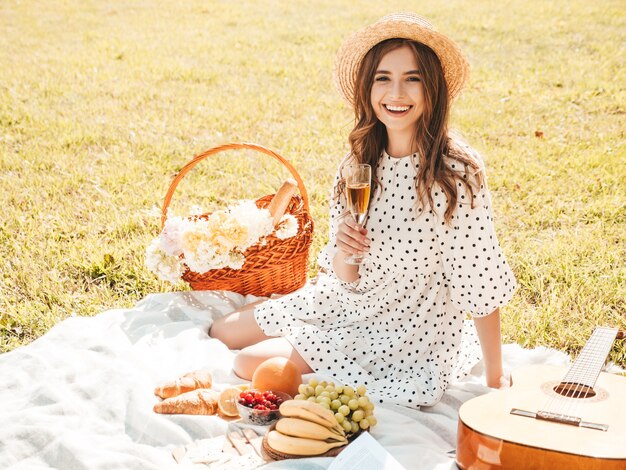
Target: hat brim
<point>406,26</point>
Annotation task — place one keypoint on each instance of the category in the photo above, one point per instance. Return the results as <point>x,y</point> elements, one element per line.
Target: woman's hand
<point>351,238</point>
<point>501,382</point>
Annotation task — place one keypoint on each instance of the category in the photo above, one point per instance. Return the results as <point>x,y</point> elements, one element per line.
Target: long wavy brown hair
<point>368,139</point>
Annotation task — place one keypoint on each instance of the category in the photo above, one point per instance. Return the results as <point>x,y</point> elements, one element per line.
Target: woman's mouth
<point>397,110</point>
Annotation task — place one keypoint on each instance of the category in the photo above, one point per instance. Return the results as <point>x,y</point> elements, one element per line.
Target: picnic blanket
<point>81,396</point>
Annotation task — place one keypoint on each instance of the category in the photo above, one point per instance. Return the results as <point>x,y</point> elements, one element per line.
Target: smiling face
<point>397,94</point>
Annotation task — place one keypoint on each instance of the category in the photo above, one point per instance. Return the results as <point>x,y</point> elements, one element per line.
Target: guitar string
<point>583,365</point>
<point>582,373</point>
<point>591,366</point>
<point>557,403</point>
<point>594,358</point>
<point>563,401</point>
<point>592,347</point>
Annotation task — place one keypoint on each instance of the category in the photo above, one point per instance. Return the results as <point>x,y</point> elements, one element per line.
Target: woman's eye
<point>382,78</point>
<point>414,79</point>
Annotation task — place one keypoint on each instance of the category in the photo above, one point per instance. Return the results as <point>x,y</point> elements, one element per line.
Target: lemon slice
<point>243,387</point>
<point>227,403</point>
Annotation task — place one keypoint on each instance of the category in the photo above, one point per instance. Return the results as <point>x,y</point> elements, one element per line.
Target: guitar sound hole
<point>572,390</point>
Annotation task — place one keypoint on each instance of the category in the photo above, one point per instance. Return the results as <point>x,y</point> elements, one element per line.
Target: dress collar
<point>386,155</point>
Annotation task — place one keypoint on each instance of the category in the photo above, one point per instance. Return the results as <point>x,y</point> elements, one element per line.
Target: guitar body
<point>490,437</point>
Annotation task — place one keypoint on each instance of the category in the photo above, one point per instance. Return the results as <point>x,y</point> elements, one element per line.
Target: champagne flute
<point>358,186</point>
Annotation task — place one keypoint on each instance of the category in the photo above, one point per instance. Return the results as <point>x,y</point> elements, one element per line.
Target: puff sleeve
<point>477,274</point>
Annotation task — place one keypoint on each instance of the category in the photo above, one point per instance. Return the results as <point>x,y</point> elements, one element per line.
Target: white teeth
<point>397,108</point>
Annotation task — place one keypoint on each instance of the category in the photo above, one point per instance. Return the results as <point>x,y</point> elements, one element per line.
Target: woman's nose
<point>397,89</point>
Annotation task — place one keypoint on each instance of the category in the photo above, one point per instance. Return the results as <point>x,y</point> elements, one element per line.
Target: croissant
<point>185,383</point>
<point>197,402</point>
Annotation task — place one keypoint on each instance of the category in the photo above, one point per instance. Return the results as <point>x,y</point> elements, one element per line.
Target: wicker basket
<point>277,267</point>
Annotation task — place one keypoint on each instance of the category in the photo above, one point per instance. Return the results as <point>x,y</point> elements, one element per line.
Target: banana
<point>310,411</point>
<point>298,427</point>
<point>299,445</point>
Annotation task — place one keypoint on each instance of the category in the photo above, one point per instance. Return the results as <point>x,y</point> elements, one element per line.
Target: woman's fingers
<point>351,238</point>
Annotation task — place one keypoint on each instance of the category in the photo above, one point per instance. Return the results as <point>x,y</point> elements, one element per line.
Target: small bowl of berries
<point>260,407</point>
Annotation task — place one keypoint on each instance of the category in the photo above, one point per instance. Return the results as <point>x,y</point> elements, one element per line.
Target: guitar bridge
<point>560,418</point>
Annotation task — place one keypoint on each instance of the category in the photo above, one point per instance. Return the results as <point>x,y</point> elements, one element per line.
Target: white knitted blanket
<point>81,396</point>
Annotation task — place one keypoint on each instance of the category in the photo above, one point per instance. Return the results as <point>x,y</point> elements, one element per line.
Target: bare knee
<point>219,331</point>
<point>245,363</point>
<point>238,329</point>
<point>249,358</point>
<point>228,333</point>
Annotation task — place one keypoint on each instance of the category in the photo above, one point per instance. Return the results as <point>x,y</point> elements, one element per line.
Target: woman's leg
<point>250,357</point>
<point>239,328</point>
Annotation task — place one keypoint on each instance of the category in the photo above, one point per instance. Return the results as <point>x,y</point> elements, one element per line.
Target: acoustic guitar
<point>551,417</point>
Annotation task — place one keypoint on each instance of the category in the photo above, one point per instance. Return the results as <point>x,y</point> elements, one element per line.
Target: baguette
<point>280,201</point>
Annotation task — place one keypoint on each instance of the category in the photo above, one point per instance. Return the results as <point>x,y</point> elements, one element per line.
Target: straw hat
<point>399,25</point>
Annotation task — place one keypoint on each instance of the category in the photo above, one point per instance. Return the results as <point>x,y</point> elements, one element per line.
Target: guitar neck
<point>589,363</point>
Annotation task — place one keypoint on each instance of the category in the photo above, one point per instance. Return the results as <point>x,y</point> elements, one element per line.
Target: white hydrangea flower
<point>171,236</point>
<point>203,257</point>
<point>166,267</point>
<point>288,227</point>
<point>259,221</point>
<point>236,261</point>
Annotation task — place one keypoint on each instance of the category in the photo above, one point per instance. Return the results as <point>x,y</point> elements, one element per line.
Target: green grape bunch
<point>353,409</point>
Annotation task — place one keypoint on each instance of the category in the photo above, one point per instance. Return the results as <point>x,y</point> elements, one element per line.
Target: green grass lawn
<point>102,102</point>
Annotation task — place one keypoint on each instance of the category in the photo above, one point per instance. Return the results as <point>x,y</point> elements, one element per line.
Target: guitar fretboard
<point>588,364</point>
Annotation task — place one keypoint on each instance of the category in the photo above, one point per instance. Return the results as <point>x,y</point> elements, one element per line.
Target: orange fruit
<point>277,374</point>
<point>227,403</point>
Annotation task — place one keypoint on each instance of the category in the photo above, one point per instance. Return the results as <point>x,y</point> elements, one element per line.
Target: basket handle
<point>232,146</point>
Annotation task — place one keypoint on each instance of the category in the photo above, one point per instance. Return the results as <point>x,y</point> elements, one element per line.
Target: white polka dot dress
<point>398,329</point>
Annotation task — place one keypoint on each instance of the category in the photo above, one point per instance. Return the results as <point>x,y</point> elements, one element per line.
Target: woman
<point>395,323</point>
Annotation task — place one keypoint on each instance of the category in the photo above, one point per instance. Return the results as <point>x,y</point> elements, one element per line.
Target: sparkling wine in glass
<point>358,185</point>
